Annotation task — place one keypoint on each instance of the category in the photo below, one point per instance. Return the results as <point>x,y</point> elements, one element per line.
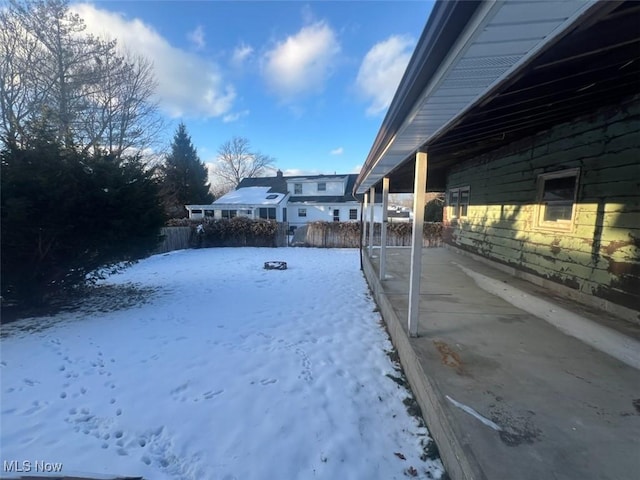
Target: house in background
<point>296,200</point>
<point>250,202</point>
<point>327,198</point>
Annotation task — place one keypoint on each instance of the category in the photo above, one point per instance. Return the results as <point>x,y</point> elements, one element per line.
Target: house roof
<point>315,178</point>
<point>251,196</point>
<point>278,184</point>
<point>486,74</point>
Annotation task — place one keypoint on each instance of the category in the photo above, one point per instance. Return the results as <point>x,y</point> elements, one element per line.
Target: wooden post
<point>416,242</point>
<point>363,215</point>
<point>372,202</point>
<point>383,228</point>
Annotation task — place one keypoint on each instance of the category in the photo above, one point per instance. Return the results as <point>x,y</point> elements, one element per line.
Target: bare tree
<point>20,59</point>
<point>123,115</point>
<point>97,98</point>
<point>236,161</point>
<point>67,70</point>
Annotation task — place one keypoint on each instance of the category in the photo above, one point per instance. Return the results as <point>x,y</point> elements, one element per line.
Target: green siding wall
<point>600,255</point>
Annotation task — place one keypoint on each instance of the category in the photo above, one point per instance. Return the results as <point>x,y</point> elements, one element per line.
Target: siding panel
<point>600,254</point>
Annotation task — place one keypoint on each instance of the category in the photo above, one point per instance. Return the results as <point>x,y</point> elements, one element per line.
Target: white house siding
<point>318,212</point>
<point>310,187</point>
<point>241,211</point>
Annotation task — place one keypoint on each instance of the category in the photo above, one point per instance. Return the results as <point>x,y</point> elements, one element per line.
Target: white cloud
<point>188,86</point>
<point>241,53</point>
<point>356,169</point>
<point>381,71</point>
<point>302,62</point>
<point>337,151</point>
<point>232,117</point>
<point>197,37</point>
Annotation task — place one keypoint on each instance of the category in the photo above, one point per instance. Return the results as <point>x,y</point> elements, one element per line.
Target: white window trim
<point>324,184</point>
<point>556,225</point>
<point>300,212</point>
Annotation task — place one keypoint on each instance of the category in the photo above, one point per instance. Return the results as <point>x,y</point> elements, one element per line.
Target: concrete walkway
<point>506,394</point>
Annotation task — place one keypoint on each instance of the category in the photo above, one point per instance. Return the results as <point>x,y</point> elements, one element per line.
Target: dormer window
<point>322,186</point>
<point>297,189</point>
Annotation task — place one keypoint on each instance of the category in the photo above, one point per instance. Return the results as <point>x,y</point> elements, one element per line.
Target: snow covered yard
<point>228,371</point>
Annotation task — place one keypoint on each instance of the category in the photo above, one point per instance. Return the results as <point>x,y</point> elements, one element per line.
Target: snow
<point>227,371</point>
<point>250,196</point>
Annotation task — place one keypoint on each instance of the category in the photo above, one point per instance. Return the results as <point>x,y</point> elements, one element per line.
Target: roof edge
<point>445,24</point>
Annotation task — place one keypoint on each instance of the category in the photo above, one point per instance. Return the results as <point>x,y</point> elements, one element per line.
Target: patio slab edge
<point>458,461</point>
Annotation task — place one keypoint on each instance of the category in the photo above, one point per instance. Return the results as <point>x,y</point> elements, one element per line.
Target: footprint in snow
<point>36,406</point>
<point>210,394</point>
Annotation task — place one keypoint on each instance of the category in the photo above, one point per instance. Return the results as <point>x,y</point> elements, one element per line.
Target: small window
<point>464,202</point>
<point>268,213</point>
<point>297,189</point>
<point>302,212</point>
<point>272,196</point>
<point>208,213</point>
<point>229,214</point>
<point>322,186</point>
<point>453,203</point>
<point>336,215</point>
<point>196,211</point>
<point>556,196</point>
<point>353,214</point>
<point>458,202</point>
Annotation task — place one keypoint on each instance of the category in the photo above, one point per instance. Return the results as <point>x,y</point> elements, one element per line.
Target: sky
<point>308,83</point>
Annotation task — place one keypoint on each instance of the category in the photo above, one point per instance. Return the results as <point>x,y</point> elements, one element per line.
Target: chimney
<point>279,173</point>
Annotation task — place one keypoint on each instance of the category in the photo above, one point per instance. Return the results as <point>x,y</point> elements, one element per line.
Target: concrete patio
<point>506,394</point>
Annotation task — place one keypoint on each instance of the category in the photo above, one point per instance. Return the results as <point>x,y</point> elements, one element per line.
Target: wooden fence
<point>174,238</point>
<point>315,234</point>
<point>347,235</point>
<point>178,238</point>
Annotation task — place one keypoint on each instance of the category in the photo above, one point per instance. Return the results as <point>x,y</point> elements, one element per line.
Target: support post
<point>383,228</point>
<point>420,184</point>
<point>363,219</point>
<point>372,202</point>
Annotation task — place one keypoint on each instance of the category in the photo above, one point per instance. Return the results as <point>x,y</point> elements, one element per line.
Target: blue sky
<point>306,82</point>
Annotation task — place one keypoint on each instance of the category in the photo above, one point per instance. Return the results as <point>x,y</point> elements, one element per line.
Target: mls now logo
<point>28,466</point>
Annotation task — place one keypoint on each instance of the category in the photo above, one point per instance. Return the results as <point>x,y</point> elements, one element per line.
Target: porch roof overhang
<point>485,74</point>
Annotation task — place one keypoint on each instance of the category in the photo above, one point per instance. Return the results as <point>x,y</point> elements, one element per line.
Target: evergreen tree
<point>66,214</point>
<point>184,176</point>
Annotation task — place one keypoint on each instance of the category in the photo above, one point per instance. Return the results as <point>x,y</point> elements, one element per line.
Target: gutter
<point>447,20</point>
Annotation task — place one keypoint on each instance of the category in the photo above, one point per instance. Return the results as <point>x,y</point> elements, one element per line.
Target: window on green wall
<point>557,193</point>
<point>458,202</point>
